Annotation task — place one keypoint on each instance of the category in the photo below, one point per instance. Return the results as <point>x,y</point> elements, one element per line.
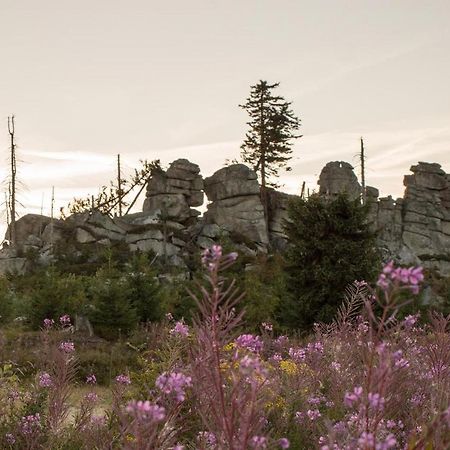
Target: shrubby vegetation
<point>365,380</point>
<point>189,363</point>
<point>331,246</point>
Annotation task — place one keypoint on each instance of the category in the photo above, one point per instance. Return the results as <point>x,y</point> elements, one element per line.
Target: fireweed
<point>366,381</point>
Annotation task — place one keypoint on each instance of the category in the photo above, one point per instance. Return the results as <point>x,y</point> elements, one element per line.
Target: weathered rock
<point>236,180</point>
<point>102,233</point>
<point>211,230</point>
<point>172,193</point>
<point>53,232</point>
<point>158,247</point>
<point>338,177</point>
<point>105,222</point>
<point>236,206</point>
<point>30,224</point>
<point>204,242</point>
<point>84,237</point>
<point>149,234</point>
<point>243,215</point>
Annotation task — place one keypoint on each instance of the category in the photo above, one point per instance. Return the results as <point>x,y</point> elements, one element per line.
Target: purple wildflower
<point>45,380</point>
<point>123,379</point>
<point>174,383</point>
<point>250,342</point>
<point>180,329</point>
<point>91,379</point>
<point>146,411</point>
<point>67,347</point>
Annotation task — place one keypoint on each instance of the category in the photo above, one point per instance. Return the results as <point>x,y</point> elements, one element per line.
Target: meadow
<point>368,380</point>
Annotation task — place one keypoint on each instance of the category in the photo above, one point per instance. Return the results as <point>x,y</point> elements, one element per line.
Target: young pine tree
<point>268,142</point>
<point>113,315</point>
<point>331,246</point>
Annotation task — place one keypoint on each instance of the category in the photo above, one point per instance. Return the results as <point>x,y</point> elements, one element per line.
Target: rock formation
<point>172,193</point>
<point>413,230</point>
<point>337,177</point>
<point>235,203</point>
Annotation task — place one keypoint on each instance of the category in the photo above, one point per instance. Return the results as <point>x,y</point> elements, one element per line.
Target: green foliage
<point>144,290</point>
<point>113,314</point>
<point>264,287</point>
<point>105,361</point>
<point>267,144</point>
<point>6,301</point>
<point>331,246</point>
<point>51,294</point>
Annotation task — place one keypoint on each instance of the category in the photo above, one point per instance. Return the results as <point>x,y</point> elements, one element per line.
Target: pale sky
<point>92,78</point>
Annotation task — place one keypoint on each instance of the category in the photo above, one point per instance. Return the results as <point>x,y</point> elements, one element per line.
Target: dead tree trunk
<point>12,192</point>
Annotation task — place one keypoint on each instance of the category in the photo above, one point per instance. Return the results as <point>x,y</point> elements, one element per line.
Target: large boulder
<point>337,177</point>
<point>30,224</point>
<point>172,193</point>
<point>235,203</point>
<point>426,214</point>
<point>233,181</point>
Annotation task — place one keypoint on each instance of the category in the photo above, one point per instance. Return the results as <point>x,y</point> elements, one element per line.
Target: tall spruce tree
<point>268,143</point>
<point>331,245</point>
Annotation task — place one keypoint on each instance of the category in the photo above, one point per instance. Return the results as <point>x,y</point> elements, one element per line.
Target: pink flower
<point>211,257</point>
<point>30,424</point>
<point>352,397</point>
<point>48,323</point>
<point>284,443</point>
<point>91,379</point>
<point>64,320</point>
<point>123,379</point>
<point>375,401</point>
<point>146,411</point>
<point>91,397</point>
<point>45,380</point>
<point>297,354</point>
<point>180,329</point>
<point>250,342</point>
<point>67,347</point>
<point>207,437</point>
<point>174,383</point>
<point>258,442</point>
<point>313,414</point>
<point>366,440</point>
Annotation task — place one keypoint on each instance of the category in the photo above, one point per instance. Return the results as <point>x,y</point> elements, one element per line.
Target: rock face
<point>414,229</point>
<point>338,177</point>
<point>235,203</point>
<point>278,214</point>
<point>426,216</point>
<point>172,193</point>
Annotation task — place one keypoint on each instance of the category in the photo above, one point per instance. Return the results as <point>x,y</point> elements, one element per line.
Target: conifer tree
<point>331,245</point>
<point>268,143</point>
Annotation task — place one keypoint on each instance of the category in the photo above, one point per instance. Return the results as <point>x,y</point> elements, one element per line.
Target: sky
<point>89,79</point>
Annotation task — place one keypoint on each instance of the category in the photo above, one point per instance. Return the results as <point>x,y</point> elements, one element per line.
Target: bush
<point>113,315</point>
<point>52,294</point>
<point>331,246</point>
<point>105,362</point>
<point>144,290</point>
<point>6,301</point>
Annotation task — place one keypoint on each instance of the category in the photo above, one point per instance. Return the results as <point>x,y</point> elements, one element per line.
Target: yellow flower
<point>230,346</point>
<point>289,367</point>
